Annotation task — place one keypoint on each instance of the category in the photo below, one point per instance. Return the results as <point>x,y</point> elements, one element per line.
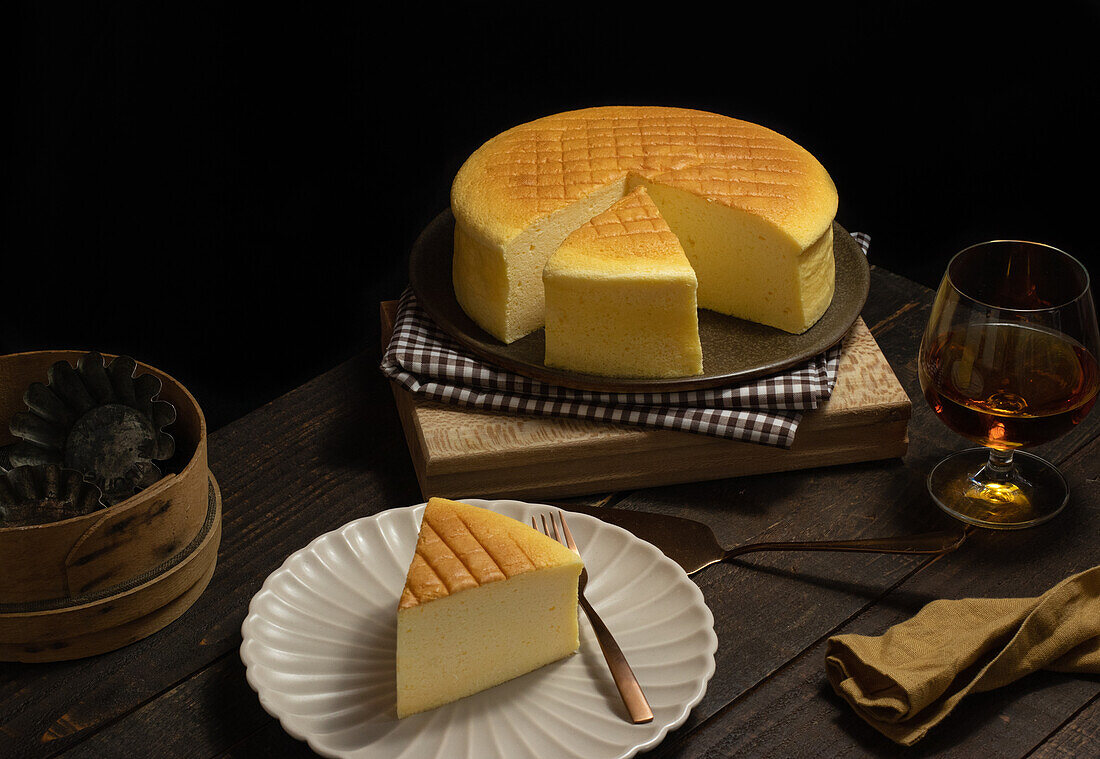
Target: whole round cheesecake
<point>752,210</point>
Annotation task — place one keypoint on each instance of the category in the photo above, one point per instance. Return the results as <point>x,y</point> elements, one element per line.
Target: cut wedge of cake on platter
<point>620,297</point>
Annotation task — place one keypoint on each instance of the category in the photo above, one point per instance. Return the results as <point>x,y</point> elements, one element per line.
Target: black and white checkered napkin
<point>426,361</point>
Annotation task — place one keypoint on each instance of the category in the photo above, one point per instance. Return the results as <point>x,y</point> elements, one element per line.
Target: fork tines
<point>551,530</point>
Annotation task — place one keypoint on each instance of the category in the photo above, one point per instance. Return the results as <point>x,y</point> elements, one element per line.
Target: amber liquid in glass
<point>1007,385</point>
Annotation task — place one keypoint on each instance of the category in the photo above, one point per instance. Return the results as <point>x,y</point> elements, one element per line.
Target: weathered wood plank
<point>807,596</point>
<point>330,452</point>
<point>1078,737</point>
<point>206,711</point>
<point>305,464</point>
<point>897,328</point>
<point>308,463</point>
<point>1009,722</point>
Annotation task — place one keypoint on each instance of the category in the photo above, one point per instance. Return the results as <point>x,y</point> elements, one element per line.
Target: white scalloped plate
<point>320,635</point>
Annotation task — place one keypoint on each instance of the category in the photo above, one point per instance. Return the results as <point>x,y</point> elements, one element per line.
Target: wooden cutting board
<point>459,452</point>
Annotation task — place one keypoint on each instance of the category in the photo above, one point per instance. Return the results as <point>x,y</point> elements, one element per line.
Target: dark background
<point>228,192</point>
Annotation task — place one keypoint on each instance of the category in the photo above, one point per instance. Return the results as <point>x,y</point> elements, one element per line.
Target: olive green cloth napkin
<point>907,680</point>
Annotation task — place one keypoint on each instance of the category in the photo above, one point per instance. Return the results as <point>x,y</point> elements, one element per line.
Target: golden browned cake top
<point>630,237</point>
<point>635,216</point>
<point>462,546</point>
<point>532,170</point>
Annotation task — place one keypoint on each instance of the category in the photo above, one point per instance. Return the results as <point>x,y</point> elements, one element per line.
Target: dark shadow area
<point>226,194</point>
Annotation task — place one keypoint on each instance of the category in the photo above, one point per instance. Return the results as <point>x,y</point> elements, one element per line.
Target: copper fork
<point>625,681</point>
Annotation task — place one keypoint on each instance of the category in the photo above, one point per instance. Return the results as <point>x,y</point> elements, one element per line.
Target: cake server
<point>693,545</point>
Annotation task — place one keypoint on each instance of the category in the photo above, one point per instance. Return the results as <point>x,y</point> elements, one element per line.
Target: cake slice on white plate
<point>486,599</point>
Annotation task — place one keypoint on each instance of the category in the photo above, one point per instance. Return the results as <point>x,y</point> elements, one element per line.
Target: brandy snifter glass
<point>1008,361</point>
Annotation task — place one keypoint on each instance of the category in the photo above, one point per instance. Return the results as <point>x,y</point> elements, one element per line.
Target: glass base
<point>969,487</point>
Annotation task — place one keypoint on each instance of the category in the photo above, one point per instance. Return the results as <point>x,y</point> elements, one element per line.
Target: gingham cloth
<point>767,410</point>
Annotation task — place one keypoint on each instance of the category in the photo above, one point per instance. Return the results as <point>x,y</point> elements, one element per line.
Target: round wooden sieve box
<point>97,582</point>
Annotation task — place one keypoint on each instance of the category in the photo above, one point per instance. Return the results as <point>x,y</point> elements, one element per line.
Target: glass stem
<point>1000,464</point>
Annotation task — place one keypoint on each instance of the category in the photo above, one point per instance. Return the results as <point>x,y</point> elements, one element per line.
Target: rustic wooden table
<point>333,450</point>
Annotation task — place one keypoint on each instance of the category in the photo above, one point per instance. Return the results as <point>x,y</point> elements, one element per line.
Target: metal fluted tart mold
<point>98,419</point>
<point>44,493</point>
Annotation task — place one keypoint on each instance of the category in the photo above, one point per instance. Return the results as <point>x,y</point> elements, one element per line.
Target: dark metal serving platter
<point>734,350</point>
